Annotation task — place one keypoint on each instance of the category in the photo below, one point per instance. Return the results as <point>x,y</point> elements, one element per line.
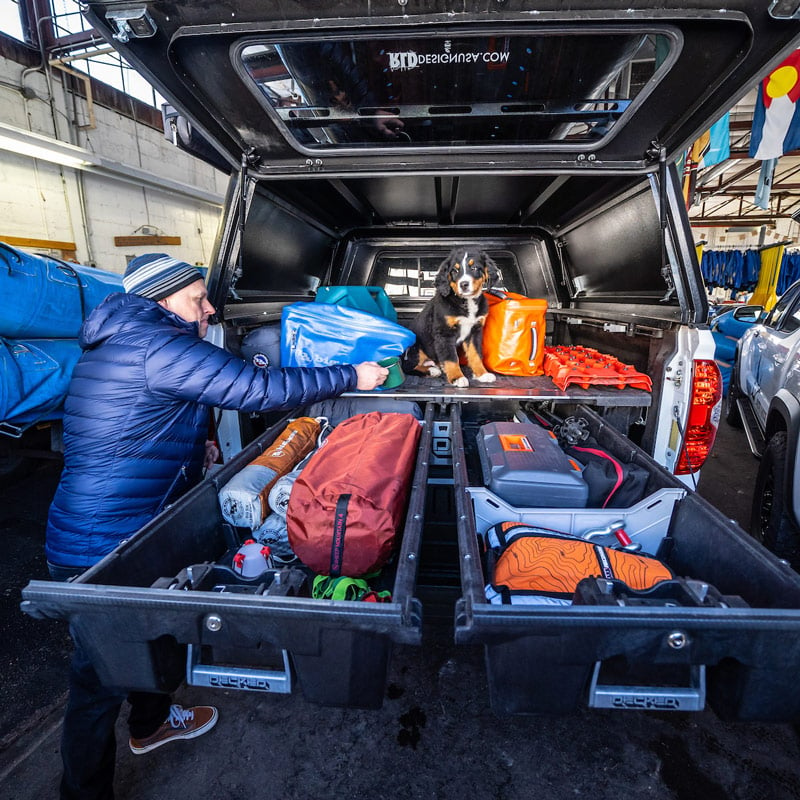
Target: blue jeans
<point>88,741</point>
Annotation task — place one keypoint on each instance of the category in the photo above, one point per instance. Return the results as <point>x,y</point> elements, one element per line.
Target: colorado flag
<point>776,119</point>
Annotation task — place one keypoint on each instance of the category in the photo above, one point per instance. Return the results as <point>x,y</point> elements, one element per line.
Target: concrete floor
<point>434,737</point>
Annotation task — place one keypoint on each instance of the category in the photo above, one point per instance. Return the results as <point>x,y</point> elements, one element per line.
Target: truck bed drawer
<point>742,660</point>
<point>151,639</point>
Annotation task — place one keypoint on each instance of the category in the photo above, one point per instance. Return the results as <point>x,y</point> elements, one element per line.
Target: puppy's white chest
<point>467,323</point>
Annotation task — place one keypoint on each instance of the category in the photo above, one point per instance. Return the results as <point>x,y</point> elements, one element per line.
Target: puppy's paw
<point>487,377</point>
<point>434,371</point>
<point>461,382</point>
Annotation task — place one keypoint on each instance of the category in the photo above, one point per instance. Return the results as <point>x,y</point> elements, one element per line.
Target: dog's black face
<point>466,273</point>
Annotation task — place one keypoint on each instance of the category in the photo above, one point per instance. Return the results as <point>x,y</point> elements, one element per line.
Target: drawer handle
<point>651,698</point>
<point>241,678</point>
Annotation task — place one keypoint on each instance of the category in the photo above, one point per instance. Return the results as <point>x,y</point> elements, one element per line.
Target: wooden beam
<point>45,244</point>
<point>136,241</point>
<point>736,221</point>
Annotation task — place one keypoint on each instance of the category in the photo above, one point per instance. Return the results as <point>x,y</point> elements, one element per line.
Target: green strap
<point>327,588</point>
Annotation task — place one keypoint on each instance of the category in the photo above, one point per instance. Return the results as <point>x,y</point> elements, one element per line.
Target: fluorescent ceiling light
<point>34,145</point>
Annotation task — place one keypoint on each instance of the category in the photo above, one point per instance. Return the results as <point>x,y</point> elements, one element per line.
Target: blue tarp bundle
<point>44,304</point>
<point>35,378</point>
<point>44,298</point>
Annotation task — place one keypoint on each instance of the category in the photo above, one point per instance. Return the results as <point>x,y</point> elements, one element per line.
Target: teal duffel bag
<point>372,299</point>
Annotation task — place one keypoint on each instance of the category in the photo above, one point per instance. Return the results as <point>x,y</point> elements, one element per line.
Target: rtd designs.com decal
<point>409,59</point>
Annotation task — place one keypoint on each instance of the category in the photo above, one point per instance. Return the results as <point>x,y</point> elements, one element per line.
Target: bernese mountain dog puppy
<point>453,318</point>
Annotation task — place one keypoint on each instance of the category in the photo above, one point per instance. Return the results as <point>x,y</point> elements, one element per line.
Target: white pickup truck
<point>366,140</point>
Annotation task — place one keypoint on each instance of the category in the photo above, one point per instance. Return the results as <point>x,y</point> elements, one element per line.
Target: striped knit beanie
<point>157,275</point>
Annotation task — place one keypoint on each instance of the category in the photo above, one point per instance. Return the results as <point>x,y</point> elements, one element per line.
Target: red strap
<point>617,469</point>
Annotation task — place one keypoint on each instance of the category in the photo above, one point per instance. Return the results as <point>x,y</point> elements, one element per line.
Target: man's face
<point>191,303</point>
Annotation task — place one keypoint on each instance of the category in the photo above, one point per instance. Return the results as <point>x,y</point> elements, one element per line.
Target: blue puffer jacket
<point>136,420</point>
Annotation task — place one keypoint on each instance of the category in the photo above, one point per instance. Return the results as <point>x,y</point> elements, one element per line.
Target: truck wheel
<point>771,522</point>
<point>732,415</point>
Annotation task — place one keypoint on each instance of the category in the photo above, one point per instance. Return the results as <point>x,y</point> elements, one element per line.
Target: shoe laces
<point>179,716</point>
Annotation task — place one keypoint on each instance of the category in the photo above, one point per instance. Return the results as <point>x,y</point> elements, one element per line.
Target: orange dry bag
<point>513,336</point>
<point>533,561</point>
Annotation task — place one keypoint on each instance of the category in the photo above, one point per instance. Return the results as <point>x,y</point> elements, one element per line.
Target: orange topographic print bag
<point>551,564</point>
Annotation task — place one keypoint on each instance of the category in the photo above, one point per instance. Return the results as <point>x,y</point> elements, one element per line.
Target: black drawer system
<point>156,612</point>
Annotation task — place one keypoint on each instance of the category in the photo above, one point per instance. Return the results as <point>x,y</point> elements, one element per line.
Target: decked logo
<point>240,682</point>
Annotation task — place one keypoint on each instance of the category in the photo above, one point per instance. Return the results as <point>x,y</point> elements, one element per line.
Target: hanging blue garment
<point>789,273</point>
<point>752,268</point>
<point>710,267</point>
<point>731,269</point>
<point>735,272</point>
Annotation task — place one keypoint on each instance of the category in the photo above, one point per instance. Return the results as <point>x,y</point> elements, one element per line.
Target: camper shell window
<point>465,90</point>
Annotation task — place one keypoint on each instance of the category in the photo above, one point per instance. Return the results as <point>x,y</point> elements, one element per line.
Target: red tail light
<point>704,412</point>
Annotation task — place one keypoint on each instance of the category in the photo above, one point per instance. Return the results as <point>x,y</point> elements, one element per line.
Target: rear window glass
<point>460,90</point>
<point>413,275</point>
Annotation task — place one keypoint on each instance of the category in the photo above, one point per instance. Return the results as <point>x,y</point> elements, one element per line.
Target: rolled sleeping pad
<point>46,298</point>
<point>278,498</point>
<point>243,499</point>
<point>34,378</point>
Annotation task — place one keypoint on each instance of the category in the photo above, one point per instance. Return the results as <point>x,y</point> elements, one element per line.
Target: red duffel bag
<point>348,502</point>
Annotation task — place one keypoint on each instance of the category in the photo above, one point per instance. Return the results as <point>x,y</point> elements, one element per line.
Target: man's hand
<point>212,454</point>
<point>370,375</point>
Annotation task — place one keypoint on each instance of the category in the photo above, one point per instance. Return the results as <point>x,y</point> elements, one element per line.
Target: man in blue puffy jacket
<point>135,438</point>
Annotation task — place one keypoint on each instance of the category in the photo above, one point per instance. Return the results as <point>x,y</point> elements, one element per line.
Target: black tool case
<point>741,655</point>
<point>160,608</point>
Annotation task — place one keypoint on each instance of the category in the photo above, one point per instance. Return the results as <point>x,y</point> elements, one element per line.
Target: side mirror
<point>749,313</point>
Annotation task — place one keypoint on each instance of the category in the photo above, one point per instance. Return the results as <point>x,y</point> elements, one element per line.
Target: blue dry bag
<point>318,334</point>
